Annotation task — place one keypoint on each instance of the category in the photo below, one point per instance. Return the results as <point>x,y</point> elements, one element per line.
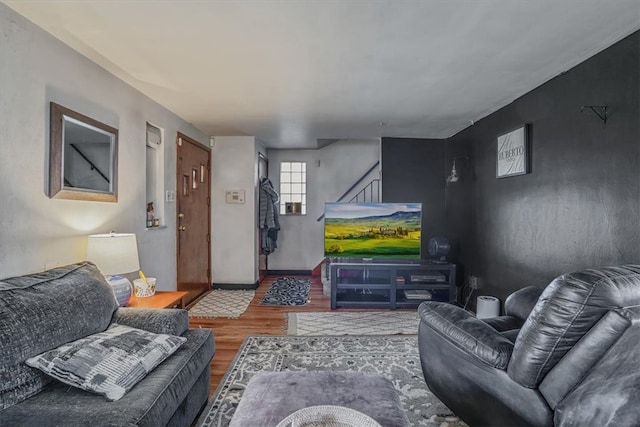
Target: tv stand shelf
<point>390,283</point>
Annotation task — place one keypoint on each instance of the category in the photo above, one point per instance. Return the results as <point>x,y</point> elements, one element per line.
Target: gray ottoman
<point>271,396</point>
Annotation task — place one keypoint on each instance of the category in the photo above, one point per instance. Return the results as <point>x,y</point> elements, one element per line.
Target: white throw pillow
<point>109,363</point>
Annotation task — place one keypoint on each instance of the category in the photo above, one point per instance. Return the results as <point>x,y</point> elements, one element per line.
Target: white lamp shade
<point>114,253</point>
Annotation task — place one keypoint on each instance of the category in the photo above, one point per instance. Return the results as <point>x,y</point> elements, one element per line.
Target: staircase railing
<point>372,190</point>
<point>363,191</point>
<point>91,164</point>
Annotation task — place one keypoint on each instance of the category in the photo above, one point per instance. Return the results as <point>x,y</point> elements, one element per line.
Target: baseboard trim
<point>236,286</point>
<point>289,272</point>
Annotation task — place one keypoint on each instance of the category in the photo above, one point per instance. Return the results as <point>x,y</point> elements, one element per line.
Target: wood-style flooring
<point>257,320</point>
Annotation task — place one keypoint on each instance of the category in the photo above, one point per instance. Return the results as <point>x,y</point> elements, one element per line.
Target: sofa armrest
<point>520,303</point>
<point>466,332</point>
<point>157,320</point>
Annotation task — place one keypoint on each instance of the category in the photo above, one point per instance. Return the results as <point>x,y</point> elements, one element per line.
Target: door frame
<point>180,139</point>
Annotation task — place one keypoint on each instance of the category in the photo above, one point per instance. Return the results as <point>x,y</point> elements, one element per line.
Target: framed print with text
<point>513,153</point>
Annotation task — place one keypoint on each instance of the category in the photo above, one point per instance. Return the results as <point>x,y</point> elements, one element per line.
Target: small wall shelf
<point>599,110</point>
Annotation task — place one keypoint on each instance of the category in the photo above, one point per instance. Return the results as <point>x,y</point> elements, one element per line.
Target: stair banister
<point>321,217</point>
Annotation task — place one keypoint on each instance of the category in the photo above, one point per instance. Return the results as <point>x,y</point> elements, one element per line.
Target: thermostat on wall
<point>234,196</point>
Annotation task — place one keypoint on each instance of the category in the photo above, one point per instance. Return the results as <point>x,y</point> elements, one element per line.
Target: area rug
<point>287,291</point>
<point>222,303</point>
<point>353,323</point>
<point>395,357</point>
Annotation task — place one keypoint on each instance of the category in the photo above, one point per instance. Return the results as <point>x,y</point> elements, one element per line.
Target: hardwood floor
<point>257,320</point>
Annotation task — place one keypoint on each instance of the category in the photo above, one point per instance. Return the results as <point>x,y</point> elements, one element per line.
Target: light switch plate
<point>170,196</point>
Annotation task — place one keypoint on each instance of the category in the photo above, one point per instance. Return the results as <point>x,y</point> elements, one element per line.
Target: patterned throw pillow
<point>109,363</point>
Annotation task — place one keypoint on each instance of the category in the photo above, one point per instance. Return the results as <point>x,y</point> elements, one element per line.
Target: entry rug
<point>287,291</point>
<point>222,303</point>
<point>355,323</point>
<point>396,357</point>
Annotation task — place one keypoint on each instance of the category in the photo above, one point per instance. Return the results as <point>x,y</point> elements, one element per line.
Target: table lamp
<point>115,254</point>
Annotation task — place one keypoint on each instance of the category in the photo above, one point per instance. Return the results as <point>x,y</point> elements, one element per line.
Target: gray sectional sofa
<point>40,312</point>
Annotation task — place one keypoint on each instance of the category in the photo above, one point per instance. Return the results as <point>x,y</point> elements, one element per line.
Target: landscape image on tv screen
<point>372,230</point>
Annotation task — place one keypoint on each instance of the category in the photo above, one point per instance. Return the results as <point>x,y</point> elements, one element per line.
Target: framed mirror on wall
<point>83,157</point>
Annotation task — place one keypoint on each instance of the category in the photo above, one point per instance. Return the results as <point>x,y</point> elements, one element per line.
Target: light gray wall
<point>36,231</point>
<point>234,237</point>
<point>301,239</point>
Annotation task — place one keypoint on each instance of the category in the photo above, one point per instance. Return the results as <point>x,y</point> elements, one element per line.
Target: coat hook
<point>600,110</point>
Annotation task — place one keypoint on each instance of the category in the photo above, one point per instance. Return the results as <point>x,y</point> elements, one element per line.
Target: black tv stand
<point>390,283</point>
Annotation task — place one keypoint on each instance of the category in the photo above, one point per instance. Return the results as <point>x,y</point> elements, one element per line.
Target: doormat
<point>222,303</point>
<point>353,323</point>
<point>287,291</point>
<point>395,357</point>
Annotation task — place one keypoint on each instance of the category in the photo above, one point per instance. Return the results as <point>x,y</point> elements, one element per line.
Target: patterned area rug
<point>222,303</point>
<point>395,357</point>
<point>356,323</point>
<point>287,291</point>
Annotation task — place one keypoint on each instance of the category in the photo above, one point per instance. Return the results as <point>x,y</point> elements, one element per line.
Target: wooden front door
<point>194,217</point>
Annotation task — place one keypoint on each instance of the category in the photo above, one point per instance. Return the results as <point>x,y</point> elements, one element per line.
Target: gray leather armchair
<point>568,355</point>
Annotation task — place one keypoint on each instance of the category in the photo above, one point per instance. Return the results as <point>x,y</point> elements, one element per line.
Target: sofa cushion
<point>42,311</point>
<point>567,309</point>
<point>110,362</point>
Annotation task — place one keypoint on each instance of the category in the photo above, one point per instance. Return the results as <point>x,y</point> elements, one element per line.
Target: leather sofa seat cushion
<point>504,323</point>
<point>42,311</point>
<point>462,329</point>
<point>568,308</point>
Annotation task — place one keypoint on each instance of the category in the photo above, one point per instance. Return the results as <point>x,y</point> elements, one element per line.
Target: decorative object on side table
<point>144,286</point>
<point>114,254</point>
<point>513,153</point>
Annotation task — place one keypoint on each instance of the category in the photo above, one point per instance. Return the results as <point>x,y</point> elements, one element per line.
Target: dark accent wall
<point>413,171</point>
<point>580,205</point>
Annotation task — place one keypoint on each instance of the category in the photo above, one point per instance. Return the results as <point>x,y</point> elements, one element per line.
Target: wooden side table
<point>161,299</point>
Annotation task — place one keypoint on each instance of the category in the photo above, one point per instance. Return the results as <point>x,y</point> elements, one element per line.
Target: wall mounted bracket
<point>600,110</point>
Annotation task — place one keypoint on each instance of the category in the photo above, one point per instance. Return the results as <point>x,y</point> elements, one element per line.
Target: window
<point>293,188</point>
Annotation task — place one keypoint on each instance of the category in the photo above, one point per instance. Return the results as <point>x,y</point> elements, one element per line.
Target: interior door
<point>263,263</point>
<point>194,217</point>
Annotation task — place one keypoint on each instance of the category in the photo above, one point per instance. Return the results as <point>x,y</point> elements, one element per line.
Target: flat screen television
<point>372,230</point>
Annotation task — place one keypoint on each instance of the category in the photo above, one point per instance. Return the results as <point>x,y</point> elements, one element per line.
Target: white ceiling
<point>291,72</point>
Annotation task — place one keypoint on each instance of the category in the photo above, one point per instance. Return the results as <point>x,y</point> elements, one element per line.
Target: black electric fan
<point>439,248</point>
